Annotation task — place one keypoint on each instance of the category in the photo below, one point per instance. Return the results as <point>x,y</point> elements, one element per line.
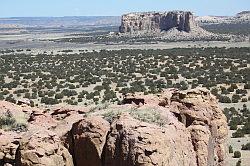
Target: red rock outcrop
<point>9,143</point>
<point>170,128</point>
<point>42,147</point>
<point>198,110</point>
<point>132,142</point>
<point>89,137</point>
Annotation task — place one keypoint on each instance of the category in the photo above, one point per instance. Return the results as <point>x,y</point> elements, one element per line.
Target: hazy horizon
<point>99,15</point>
<point>65,8</point>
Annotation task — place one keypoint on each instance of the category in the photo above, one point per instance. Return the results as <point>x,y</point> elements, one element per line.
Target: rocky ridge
<point>171,128</point>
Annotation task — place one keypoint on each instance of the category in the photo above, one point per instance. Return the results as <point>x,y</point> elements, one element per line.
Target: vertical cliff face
<point>156,22</point>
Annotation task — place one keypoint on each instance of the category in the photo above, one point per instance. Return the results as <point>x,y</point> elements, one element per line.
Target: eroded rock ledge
<point>172,128</point>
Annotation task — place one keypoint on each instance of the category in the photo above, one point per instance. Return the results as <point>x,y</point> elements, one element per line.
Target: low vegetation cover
<point>96,77</point>
<point>238,120</point>
<point>238,162</point>
<point>224,28</point>
<point>149,115</point>
<point>237,154</point>
<point>8,122</point>
<point>230,149</point>
<point>246,146</point>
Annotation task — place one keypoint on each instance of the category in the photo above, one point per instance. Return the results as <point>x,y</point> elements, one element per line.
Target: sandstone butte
<point>158,21</point>
<point>192,132</point>
<point>165,26</point>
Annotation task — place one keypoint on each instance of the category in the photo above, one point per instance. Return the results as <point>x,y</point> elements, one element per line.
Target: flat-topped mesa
<point>157,21</point>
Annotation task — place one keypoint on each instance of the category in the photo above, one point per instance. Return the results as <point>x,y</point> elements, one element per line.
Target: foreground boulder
<point>132,142</point>
<point>171,128</point>
<point>9,143</point>
<point>199,111</point>
<point>42,147</point>
<point>88,140</point>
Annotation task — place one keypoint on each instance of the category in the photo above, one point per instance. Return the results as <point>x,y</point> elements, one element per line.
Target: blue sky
<point>34,8</point>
